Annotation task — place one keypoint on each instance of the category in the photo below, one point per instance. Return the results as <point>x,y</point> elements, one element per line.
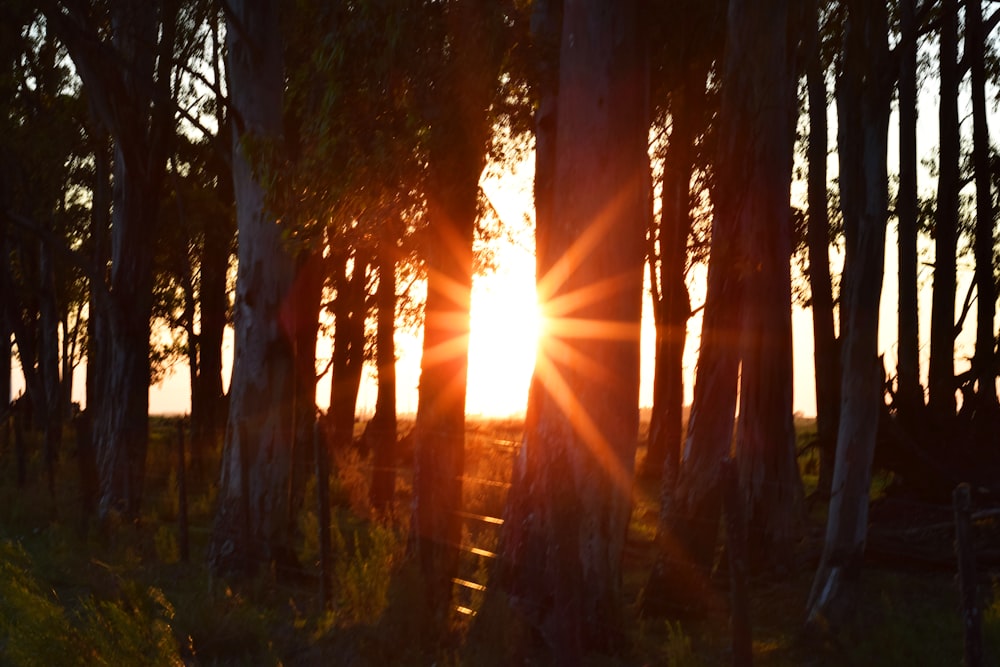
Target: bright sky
<point>505,327</point>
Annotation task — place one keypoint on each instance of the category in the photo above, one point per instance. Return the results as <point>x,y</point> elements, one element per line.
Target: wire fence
<point>182,495</point>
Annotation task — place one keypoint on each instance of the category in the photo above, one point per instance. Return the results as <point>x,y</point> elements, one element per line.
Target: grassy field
<point>71,593</point>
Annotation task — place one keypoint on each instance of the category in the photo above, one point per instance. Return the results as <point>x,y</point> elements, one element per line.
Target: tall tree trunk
<point>383,424</point>
<point>128,82</point>
<point>251,521</point>
<point>50,411</point>
<point>571,493</point>
<point>984,361</point>
<point>213,295</point>
<point>517,574</point>
<point>826,357</point>
<point>6,349</point>
<point>941,378</point>
<point>100,224</point>
<point>213,306</point>
<point>688,524</point>
<point>667,420</point>
<point>460,131</point>
<point>300,318</point>
<point>350,308</point>
<point>864,91</point>
<point>755,163</point>
<point>910,393</point>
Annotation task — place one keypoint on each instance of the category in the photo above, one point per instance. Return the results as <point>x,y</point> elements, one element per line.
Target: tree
<point>688,51</point>
<point>251,521</point>
<point>826,364</point>
<point>569,504</point>
<point>755,172</point>
<point>864,91</point>
<point>459,127</point>
<point>127,77</point>
<point>941,372</point>
<point>383,424</point>
<point>43,151</point>
<point>909,393</point>
<point>984,361</point>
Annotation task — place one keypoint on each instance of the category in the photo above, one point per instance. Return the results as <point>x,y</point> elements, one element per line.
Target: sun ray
<point>563,268</point>
<point>573,301</point>
<point>587,430</point>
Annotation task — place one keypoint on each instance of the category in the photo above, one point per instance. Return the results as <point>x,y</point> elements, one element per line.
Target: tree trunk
<point>300,319</point>
<point>909,393</point>
<point>350,310</point>
<point>571,496</point>
<point>48,362</point>
<point>755,166</point>
<point>863,96</point>
<point>128,82</point>
<point>826,357</point>
<point>213,304</point>
<point>941,378</point>
<point>251,522</point>
<point>100,224</point>
<point>459,135</point>
<point>383,424</point>
<point>667,420</point>
<point>984,361</point>
<point>689,515</point>
<point>6,349</point>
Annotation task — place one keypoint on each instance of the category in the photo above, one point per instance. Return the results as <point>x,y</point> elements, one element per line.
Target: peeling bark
<point>571,496</point>
<point>251,521</point>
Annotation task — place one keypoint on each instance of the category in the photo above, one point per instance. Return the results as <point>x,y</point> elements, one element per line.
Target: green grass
<point>72,595</point>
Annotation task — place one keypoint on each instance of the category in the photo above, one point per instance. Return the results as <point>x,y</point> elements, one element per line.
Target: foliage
<point>36,629</point>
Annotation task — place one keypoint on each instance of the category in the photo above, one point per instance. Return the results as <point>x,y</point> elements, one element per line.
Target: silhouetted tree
<point>984,361</point>
<point>570,500</point>
<point>826,365</point>
<point>864,92</point>
<point>466,65</point>
<point>909,392</point>
<point>755,173</point>
<point>127,76</point>
<point>941,372</point>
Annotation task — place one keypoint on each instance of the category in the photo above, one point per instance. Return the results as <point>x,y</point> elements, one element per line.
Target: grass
<point>72,595</point>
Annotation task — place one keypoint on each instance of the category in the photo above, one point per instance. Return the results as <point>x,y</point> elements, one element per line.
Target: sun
<point>505,327</point>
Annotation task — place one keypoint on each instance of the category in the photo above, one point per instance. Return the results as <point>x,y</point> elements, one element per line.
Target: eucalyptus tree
<point>570,501</point>
<point>251,523</point>
<point>124,56</point>
<point>755,163</point>
<point>685,59</point>
<point>984,243</point>
<point>466,45</point>
<point>864,92</point>
<point>40,185</point>
<point>826,365</point>
<point>941,371</point>
<point>910,393</point>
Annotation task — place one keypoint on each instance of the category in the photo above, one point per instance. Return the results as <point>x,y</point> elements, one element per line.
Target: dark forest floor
<point>72,594</point>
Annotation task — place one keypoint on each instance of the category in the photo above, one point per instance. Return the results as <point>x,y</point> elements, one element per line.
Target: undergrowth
<point>74,594</point>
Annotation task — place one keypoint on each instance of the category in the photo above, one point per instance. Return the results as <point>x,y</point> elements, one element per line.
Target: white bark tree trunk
<point>863,96</point>
<point>251,523</point>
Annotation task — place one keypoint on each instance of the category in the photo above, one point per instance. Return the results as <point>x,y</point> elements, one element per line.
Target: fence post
<point>182,504</point>
<point>736,548</point>
<point>323,499</point>
<point>965,552</point>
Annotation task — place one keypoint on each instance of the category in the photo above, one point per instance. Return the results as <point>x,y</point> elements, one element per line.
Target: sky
<point>505,327</point>
<point>505,321</point>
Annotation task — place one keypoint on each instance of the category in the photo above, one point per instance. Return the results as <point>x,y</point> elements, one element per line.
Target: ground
<point>71,592</point>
